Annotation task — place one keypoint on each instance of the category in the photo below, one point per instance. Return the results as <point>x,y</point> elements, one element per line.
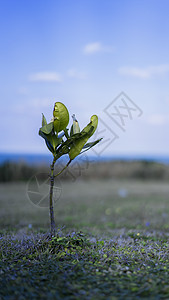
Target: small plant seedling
<point>61,141</point>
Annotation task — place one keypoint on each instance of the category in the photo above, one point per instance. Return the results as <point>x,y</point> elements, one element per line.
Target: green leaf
<point>79,143</point>
<point>66,133</point>
<point>52,141</point>
<point>92,144</point>
<point>44,122</point>
<point>48,144</point>
<point>61,117</point>
<point>77,147</point>
<point>47,129</point>
<point>91,127</point>
<point>76,136</point>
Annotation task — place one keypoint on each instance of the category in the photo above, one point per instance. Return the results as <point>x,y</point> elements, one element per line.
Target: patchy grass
<point>130,265</point>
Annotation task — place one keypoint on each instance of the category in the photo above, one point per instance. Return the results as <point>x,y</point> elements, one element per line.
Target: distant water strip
<point>36,159</point>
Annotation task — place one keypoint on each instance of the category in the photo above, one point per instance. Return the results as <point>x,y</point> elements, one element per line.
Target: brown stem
<point>52,219</point>
<point>52,178</point>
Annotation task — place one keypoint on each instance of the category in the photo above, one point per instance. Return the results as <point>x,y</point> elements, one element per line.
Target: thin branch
<point>63,168</point>
<point>52,219</point>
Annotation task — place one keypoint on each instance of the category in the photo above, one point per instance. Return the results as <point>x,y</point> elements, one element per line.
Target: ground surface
<point>112,242</point>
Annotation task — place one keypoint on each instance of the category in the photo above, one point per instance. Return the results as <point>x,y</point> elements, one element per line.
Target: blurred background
<point>108,58</point>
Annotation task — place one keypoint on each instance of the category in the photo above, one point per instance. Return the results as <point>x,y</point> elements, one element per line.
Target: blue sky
<point>84,53</point>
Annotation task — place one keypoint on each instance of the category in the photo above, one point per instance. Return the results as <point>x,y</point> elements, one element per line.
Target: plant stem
<point>52,219</point>
<point>52,178</point>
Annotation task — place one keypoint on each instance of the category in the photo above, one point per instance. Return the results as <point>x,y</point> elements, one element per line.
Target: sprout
<point>60,142</point>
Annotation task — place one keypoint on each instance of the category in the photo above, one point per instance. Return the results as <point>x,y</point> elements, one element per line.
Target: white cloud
<point>144,72</point>
<point>92,48</point>
<point>73,73</point>
<point>46,76</point>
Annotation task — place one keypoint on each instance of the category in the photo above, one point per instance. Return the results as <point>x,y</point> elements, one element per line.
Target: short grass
<point>112,242</point>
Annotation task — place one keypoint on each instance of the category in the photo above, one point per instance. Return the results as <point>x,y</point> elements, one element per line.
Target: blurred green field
<point>98,205</point>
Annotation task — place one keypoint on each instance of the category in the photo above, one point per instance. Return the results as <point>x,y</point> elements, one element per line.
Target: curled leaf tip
<point>74,118</point>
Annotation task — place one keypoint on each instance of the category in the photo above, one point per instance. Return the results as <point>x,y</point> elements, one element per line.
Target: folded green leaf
<point>91,127</point>
<point>44,122</point>
<point>90,145</point>
<point>47,129</point>
<point>48,144</point>
<point>61,117</point>
<point>87,132</point>
<point>52,141</point>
